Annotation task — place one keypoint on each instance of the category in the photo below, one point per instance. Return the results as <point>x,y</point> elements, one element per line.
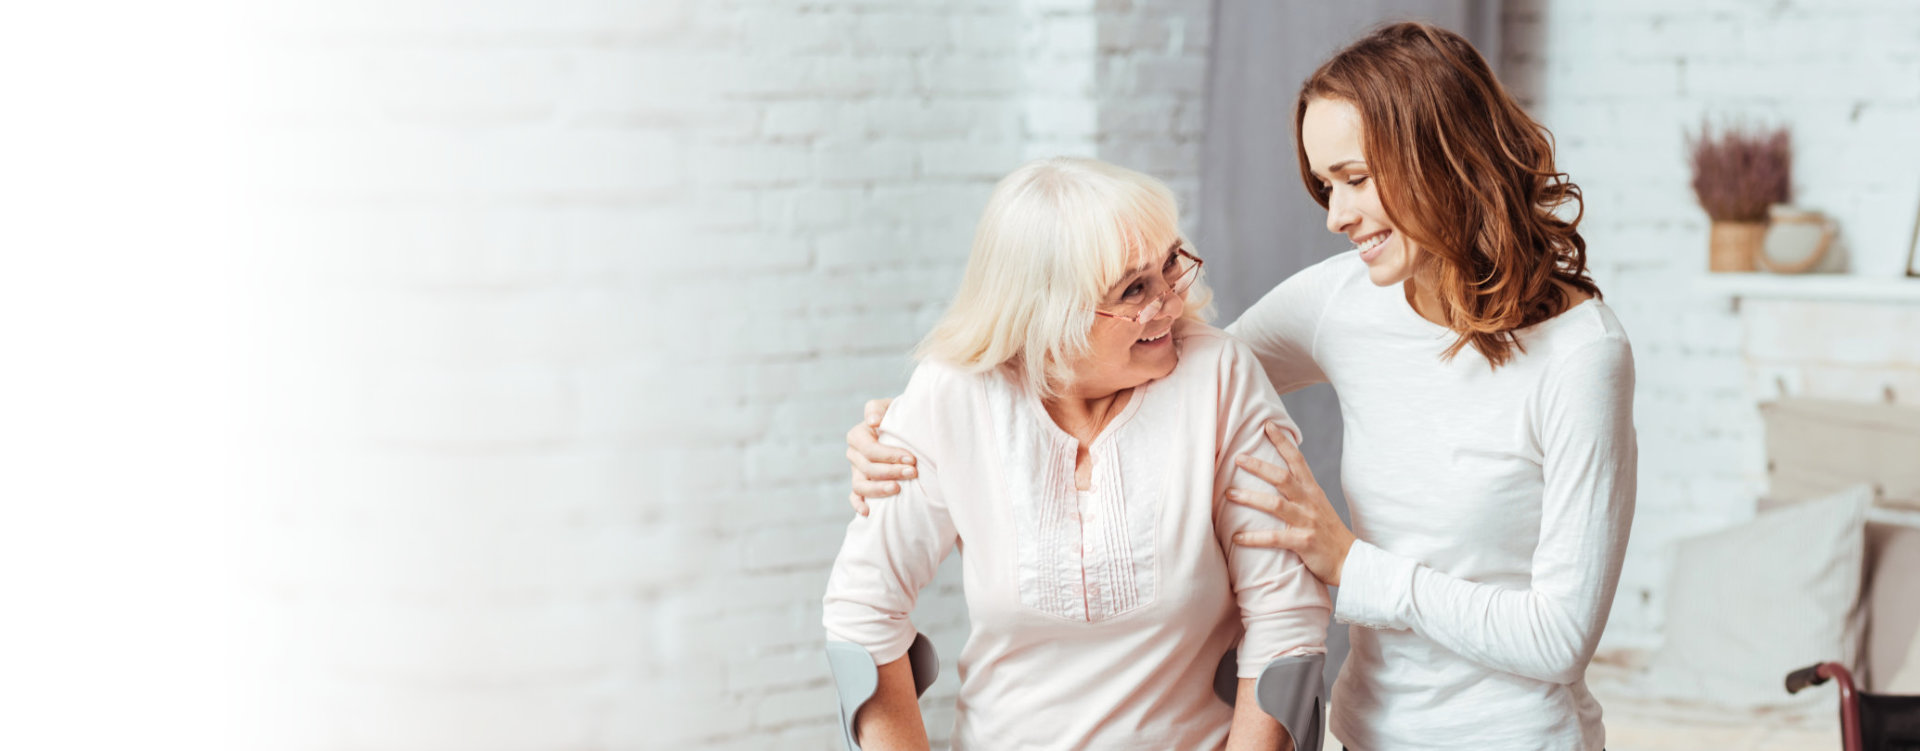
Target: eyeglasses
<point>1181,271</point>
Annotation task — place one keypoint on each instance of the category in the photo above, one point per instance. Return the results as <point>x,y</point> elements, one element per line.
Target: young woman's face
<point>1126,353</point>
<point>1330,131</point>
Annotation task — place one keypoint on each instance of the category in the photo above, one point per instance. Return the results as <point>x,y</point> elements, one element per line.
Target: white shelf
<point>1826,287</point>
<point>1888,515</point>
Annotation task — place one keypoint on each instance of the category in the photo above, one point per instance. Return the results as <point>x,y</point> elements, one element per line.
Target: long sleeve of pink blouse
<point>1278,597</point>
<point>888,556</point>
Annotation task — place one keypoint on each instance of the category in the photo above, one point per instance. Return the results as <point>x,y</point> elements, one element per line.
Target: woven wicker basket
<point>1734,246</point>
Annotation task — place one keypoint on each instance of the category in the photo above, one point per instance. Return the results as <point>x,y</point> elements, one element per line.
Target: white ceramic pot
<point>1796,239</point>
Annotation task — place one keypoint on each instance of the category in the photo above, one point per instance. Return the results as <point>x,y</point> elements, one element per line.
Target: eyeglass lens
<point>1189,271</point>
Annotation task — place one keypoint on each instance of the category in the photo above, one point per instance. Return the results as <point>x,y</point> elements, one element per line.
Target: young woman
<point>1075,421</point>
<point>1486,392</point>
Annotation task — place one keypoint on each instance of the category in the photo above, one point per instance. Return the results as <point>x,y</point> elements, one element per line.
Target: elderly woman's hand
<point>875,467</point>
<point>1315,531</point>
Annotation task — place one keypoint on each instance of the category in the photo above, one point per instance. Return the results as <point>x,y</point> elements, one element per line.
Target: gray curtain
<point>1257,224</point>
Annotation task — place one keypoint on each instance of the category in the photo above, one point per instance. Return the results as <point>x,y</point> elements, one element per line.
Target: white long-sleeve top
<point>1492,508</point>
<point>1098,618</point>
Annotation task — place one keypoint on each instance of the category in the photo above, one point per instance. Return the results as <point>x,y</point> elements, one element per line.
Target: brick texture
<point>562,309</point>
<point>569,308</point>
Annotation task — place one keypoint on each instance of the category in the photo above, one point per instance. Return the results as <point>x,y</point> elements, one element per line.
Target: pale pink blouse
<point>1098,619</point>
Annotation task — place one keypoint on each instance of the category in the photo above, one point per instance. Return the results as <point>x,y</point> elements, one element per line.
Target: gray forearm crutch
<point>1288,690</point>
<point>856,677</point>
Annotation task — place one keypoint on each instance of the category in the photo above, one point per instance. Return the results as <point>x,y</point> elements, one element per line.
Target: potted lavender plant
<point>1737,175</point>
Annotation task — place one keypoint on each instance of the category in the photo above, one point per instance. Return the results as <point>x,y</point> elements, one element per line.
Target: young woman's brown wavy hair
<point>1464,173</point>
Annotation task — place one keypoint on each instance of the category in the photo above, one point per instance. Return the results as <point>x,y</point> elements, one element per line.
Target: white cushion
<point>1750,604</point>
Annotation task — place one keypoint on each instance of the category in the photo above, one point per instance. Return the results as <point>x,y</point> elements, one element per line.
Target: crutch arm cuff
<point>1289,690</point>
<point>856,677</point>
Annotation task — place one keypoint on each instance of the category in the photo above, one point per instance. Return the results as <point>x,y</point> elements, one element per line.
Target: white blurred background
<point>419,374</point>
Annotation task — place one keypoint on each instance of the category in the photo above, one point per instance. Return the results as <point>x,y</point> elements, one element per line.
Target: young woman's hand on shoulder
<point>1314,530</point>
<point>876,468</point>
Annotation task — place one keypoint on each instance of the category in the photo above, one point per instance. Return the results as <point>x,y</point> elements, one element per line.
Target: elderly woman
<point>1075,421</point>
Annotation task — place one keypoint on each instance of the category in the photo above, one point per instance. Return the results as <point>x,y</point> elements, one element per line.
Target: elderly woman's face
<point>1125,352</point>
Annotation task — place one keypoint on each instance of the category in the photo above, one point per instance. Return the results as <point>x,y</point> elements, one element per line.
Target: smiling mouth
<point>1372,242</point>
<point>1150,339</point>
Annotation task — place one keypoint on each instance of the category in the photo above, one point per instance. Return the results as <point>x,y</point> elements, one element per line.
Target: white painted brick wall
<point>563,308</point>
<point>1618,83</point>
<point>557,309</point>
<point>568,304</point>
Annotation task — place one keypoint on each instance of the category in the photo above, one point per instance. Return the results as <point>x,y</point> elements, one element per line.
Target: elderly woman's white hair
<point>1056,235</point>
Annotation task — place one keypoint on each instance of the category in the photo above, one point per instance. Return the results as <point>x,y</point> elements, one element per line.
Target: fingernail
<point>1240,537</point>
<point>908,473</point>
<point>1233,493</point>
<point>1240,460</point>
<point>908,458</point>
<point>893,486</point>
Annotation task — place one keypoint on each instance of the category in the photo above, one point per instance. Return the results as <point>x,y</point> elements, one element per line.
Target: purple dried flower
<point>1738,174</point>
